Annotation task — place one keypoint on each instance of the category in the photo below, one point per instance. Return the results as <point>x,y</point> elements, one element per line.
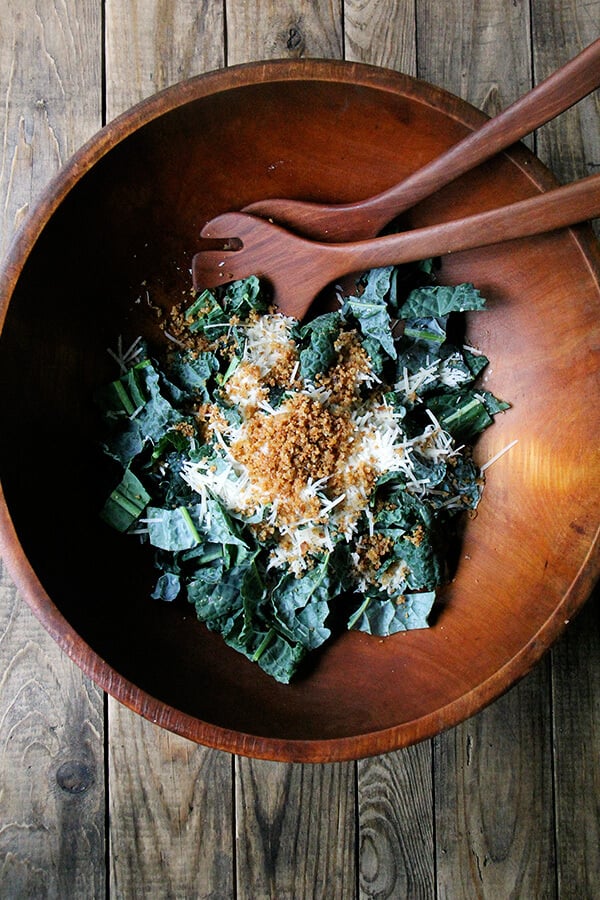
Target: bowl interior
<point>116,253</point>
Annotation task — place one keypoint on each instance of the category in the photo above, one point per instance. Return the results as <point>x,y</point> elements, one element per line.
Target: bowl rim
<point>89,661</point>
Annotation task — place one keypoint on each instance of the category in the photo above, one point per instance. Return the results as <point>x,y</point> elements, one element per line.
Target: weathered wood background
<point>96,802</point>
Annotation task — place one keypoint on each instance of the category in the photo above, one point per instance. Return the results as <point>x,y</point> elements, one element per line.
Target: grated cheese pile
<point>304,472</point>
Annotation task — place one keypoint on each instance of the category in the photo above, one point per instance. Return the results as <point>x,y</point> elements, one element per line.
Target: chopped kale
<point>317,340</point>
<point>273,586</point>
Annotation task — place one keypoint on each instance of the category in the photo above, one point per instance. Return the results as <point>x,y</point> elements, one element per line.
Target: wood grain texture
<point>571,147</point>
<point>170,800</point>
<point>50,73</point>
<point>295,831</point>
<point>493,790</point>
<point>576,693</point>
<point>492,774</point>
<point>170,811</point>
<point>51,764</point>
<point>381,33</point>
<point>151,44</point>
<point>479,51</point>
<point>51,717</point>
<point>279,29</point>
<point>396,837</point>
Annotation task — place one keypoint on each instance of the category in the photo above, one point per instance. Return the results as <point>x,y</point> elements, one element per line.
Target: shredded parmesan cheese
<point>303,470</point>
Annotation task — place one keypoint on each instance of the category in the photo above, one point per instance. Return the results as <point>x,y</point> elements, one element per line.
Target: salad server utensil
<point>298,268</point>
<point>366,218</point>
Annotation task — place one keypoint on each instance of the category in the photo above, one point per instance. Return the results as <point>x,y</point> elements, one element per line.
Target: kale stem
<point>358,613</point>
<point>190,524</point>
<point>263,645</point>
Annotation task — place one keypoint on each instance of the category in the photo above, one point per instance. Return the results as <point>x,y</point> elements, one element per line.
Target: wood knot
<point>492,102</point>
<point>295,40</point>
<point>74,777</point>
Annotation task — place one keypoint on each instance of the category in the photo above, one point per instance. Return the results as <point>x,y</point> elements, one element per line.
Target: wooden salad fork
<point>366,218</point>
<point>298,268</point>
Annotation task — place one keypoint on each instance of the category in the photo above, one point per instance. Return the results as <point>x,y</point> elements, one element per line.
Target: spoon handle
<point>546,101</point>
<point>557,208</point>
<point>365,218</point>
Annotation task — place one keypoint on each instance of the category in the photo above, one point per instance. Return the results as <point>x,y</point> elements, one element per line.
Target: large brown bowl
<point>112,239</point>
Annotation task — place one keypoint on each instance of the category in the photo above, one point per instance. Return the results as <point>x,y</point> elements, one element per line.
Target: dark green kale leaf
<point>261,638</point>
<point>461,489</point>
<point>219,527</point>
<point>192,373</point>
<point>234,603</point>
<point>491,403</point>
<point>465,413</point>
<point>402,510</point>
<point>426,469</point>
<point>427,329</point>
<point>129,433</point>
<point>440,300</point>
<point>414,357</point>
<point>158,413</point>
<point>242,297</point>
<point>167,587</point>
<point>475,361</point>
<point>216,593</point>
<point>382,615</point>
<point>278,657</point>
<point>371,312</point>
<point>231,414</point>
<point>207,316</point>
<point>317,342</point>
<point>454,370</point>
<point>376,284</point>
<point>164,481</point>
<point>223,377</point>
<point>172,529</point>
<point>301,605</point>
<point>439,367</point>
<point>420,553</point>
<point>187,526</point>
<point>408,522</point>
<point>126,502</point>
<point>123,397</point>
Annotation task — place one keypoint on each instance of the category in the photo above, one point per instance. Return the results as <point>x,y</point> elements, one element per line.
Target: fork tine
<point>215,262</point>
<point>211,268</point>
<point>219,244</point>
<point>296,269</point>
<point>222,227</point>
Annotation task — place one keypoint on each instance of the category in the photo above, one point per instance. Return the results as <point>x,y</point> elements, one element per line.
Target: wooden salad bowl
<point>109,246</point>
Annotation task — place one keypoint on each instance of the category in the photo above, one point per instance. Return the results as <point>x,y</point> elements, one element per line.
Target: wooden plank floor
<point>94,801</point>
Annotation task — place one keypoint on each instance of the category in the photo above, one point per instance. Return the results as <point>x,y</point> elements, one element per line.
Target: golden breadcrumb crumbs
<point>372,551</point>
<point>280,375</point>
<point>416,536</point>
<point>343,378</point>
<point>283,452</point>
<point>185,428</point>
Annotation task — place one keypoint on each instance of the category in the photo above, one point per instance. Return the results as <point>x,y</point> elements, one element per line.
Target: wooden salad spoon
<point>366,218</point>
<point>297,268</point>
